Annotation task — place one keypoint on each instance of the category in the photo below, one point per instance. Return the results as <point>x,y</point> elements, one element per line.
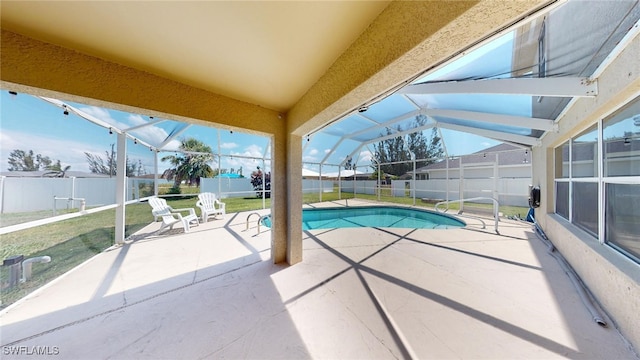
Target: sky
<point>30,123</point>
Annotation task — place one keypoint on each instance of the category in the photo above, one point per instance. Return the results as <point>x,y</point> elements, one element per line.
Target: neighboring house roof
<point>508,156</point>
<point>343,174</point>
<point>359,175</point>
<point>311,173</point>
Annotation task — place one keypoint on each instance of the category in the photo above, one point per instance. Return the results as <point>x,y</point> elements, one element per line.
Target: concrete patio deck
<point>358,294</point>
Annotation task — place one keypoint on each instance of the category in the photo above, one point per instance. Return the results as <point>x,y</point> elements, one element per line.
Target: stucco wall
<point>612,278</point>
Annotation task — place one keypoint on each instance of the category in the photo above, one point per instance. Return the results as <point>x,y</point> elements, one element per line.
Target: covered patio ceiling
<point>511,87</point>
<point>280,48</point>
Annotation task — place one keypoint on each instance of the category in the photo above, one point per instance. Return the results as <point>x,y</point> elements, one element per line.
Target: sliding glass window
<point>562,180</point>
<point>584,172</point>
<point>597,180</point>
<point>621,161</point>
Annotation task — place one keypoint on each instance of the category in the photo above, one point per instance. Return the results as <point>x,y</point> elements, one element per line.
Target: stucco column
<point>294,199</point>
<point>286,199</point>
<point>279,197</point>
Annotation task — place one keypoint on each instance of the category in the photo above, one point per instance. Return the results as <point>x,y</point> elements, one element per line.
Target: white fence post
<point>2,178</point>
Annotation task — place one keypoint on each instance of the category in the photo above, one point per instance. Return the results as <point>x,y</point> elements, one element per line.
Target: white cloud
<point>311,156</point>
<point>103,115</point>
<point>152,134</point>
<point>365,157</point>
<point>173,145</point>
<point>253,151</point>
<point>230,145</point>
<point>69,152</point>
<point>136,119</point>
<point>247,165</point>
<point>309,159</point>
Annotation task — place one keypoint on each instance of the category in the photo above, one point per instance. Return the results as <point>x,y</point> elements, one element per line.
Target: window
<point>562,161</point>
<point>590,163</point>
<point>562,180</point>
<point>585,206</point>
<point>584,154</point>
<point>621,137</point>
<point>622,220</point>
<point>562,199</point>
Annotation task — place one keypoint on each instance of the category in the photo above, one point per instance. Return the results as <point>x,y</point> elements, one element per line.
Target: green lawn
<point>73,241</point>
<point>68,242</point>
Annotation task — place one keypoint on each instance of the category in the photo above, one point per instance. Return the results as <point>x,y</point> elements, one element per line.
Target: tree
<point>20,160</point>
<point>107,165</point>
<point>191,164</point>
<point>348,164</point>
<point>434,148</point>
<point>56,170</point>
<point>395,150</point>
<point>256,181</point>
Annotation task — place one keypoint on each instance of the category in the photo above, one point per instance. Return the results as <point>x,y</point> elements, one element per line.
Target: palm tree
<point>57,170</point>
<point>191,164</point>
<point>57,173</point>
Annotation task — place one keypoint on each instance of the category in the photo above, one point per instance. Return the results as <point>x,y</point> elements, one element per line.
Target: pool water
<point>375,216</point>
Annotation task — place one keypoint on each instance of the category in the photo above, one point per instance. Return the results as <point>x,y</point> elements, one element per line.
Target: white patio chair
<point>171,216</point>
<point>210,206</point>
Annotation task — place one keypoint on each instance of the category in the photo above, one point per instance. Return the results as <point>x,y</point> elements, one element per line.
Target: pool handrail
<point>260,219</point>
<point>249,217</point>
<point>496,207</point>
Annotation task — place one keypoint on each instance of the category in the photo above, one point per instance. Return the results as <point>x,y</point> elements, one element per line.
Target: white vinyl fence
<point>242,187</point>
<point>315,186</point>
<point>35,194</point>
<point>359,187</point>
<point>227,187</point>
<point>514,192</point>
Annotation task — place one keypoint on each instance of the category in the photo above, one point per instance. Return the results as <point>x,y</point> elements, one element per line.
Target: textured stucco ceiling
<point>267,53</point>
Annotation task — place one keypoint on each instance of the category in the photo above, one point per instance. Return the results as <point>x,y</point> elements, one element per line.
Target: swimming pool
<point>375,216</point>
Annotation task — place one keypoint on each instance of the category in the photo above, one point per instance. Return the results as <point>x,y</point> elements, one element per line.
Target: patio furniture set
<point>208,203</point>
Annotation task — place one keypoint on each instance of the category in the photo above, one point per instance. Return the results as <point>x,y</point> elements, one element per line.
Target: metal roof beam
<point>333,149</point>
<point>360,115</point>
<point>82,114</point>
<point>510,120</point>
<point>95,120</point>
<point>352,154</point>
<point>267,150</point>
<point>386,124</point>
<point>551,87</point>
<point>401,133</point>
<point>498,135</point>
<point>152,122</point>
<point>174,135</point>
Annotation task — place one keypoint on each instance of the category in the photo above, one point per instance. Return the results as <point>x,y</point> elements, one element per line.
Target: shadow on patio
<point>359,293</point>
